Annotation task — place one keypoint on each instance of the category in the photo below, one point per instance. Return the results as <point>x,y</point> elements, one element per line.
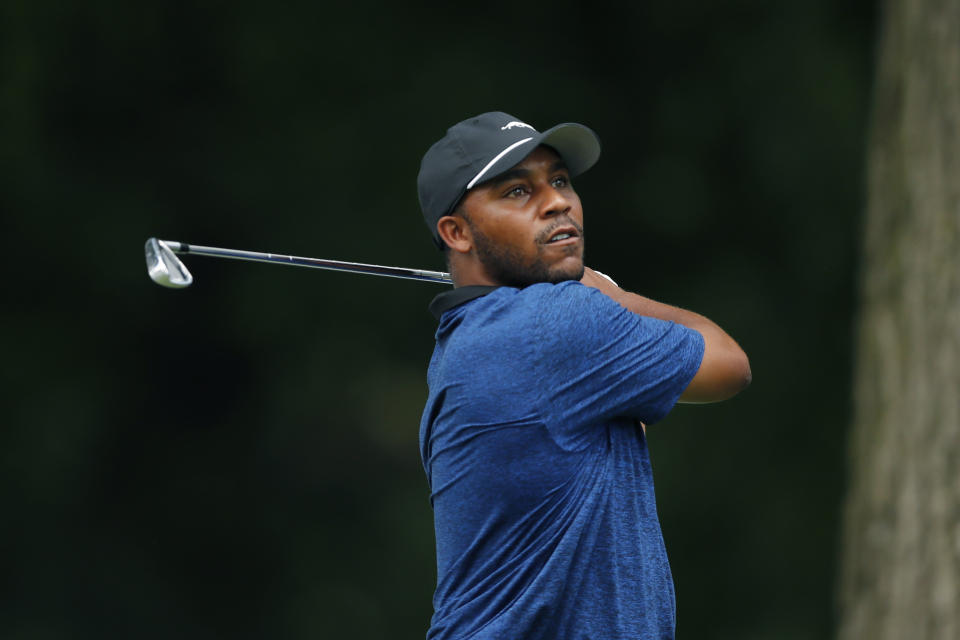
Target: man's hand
<point>597,280</point>
<point>724,370</point>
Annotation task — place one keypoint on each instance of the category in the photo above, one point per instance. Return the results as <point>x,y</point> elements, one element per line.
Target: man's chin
<point>570,268</point>
<point>574,272</point>
<point>513,274</point>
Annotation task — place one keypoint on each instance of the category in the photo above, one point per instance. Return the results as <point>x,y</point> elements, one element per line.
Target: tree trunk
<point>900,569</point>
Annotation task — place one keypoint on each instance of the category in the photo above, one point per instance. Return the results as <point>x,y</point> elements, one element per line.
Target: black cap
<point>483,147</point>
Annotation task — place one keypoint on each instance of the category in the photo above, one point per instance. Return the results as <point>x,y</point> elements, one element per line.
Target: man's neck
<point>469,274</point>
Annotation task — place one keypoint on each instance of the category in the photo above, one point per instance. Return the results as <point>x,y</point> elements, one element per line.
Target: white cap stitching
<point>497,157</point>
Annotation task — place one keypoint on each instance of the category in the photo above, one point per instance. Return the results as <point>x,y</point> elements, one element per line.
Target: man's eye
<point>516,192</point>
<point>560,181</point>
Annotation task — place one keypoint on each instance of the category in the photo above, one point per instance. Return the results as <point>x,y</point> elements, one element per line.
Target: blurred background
<point>239,459</point>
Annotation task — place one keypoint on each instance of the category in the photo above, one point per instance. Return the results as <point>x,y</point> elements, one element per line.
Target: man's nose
<point>553,203</point>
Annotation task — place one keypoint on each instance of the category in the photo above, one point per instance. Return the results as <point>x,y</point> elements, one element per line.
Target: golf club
<point>166,269</point>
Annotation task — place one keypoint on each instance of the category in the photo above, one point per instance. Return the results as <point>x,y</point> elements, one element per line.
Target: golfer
<point>543,377</point>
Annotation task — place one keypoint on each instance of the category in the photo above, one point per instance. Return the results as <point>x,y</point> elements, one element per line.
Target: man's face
<point>527,224</point>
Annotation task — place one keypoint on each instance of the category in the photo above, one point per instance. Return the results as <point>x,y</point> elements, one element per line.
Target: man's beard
<point>507,266</point>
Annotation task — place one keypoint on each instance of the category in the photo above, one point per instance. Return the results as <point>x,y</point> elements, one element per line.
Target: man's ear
<point>456,233</point>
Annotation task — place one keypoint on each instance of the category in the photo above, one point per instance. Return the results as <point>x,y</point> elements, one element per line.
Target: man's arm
<point>724,370</point>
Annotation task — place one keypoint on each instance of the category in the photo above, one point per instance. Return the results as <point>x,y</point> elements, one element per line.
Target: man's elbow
<point>739,376</point>
<point>736,379</point>
<point>743,376</point>
<point>719,378</point>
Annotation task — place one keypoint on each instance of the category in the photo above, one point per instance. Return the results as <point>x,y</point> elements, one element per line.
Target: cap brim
<point>577,145</point>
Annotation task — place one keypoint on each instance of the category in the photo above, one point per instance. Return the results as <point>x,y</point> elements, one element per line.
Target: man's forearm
<point>645,306</point>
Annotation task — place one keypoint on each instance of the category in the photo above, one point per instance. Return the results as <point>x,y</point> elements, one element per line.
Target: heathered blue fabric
<point>544,510</point>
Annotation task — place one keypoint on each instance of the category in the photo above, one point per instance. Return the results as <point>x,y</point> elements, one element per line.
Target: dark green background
<point>239,459</point>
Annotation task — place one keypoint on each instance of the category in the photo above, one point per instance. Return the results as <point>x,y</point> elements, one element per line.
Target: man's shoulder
<point>568,300</point>
<point>543,298</point>
<point>549,292</point>
<point>536,304</point>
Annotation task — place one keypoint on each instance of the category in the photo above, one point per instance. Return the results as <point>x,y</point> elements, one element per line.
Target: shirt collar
<point>450,299</point>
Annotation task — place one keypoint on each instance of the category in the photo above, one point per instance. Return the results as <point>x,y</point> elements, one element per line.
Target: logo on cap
<point>513,124</point>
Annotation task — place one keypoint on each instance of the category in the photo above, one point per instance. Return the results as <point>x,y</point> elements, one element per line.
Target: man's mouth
<point>564,235</point>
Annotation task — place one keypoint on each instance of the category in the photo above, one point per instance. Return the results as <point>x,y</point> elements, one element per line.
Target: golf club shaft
<point>314,263</point>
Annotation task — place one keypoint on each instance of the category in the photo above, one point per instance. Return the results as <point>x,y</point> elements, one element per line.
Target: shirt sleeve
<point>596,360</point>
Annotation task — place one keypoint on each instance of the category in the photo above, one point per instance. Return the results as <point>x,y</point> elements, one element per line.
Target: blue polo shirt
<point>541,486</point>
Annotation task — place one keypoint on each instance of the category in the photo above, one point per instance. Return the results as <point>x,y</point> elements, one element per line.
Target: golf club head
<point>164,267</point>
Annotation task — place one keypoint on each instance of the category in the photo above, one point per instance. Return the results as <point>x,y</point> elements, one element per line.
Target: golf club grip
<point>314,263</point>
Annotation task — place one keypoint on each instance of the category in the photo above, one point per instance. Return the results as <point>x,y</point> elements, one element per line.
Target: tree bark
<point>900,568</point>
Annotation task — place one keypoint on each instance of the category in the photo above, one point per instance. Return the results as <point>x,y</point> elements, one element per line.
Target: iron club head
<point>164,267</point>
